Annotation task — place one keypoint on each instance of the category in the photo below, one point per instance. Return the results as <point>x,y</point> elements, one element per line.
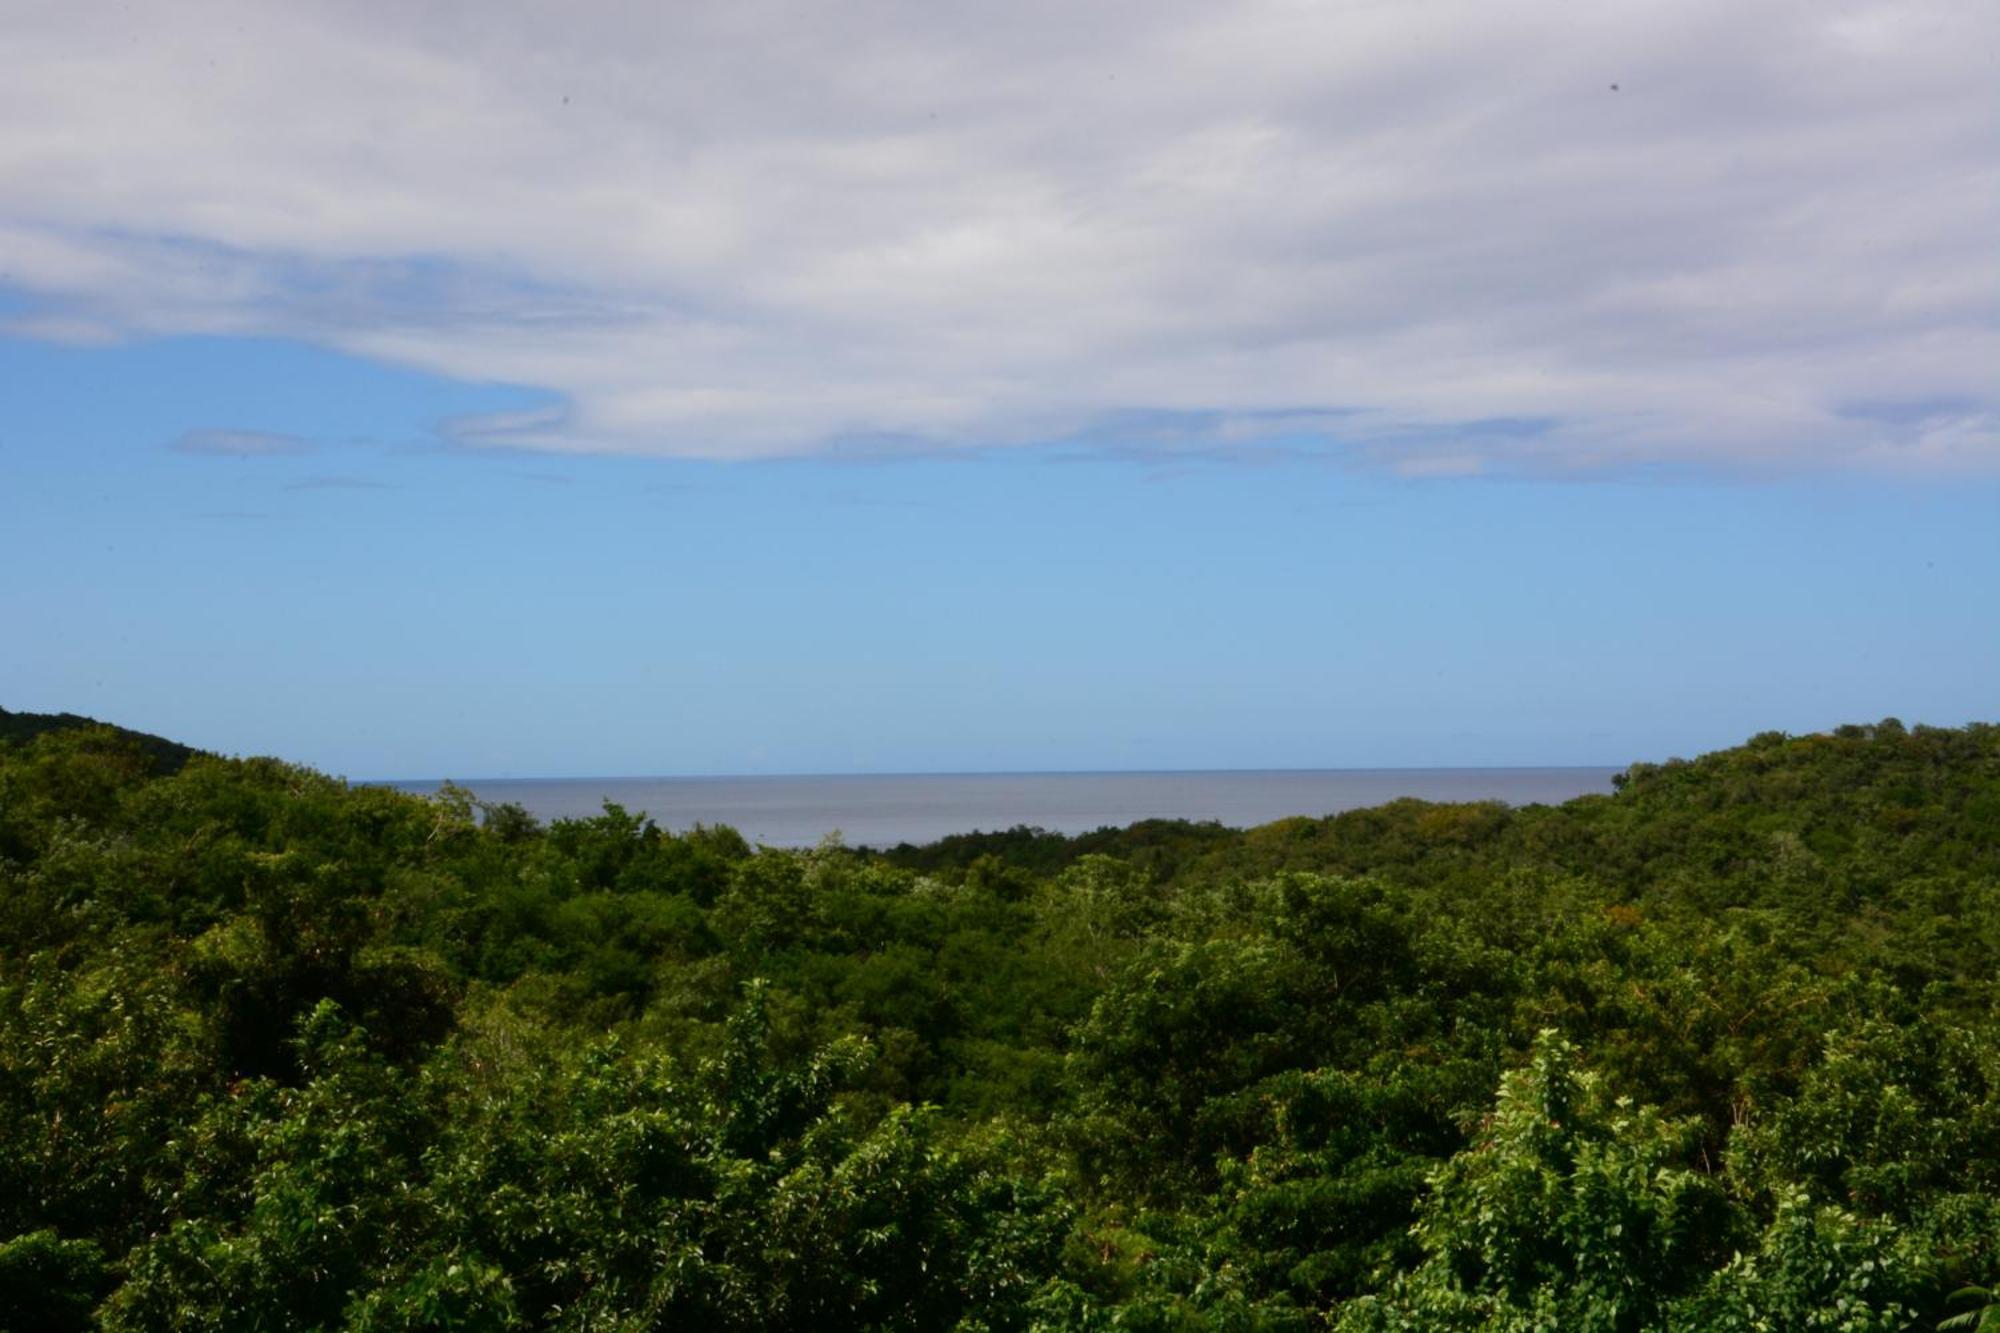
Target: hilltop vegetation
<point>1718,1051</point>
<point>165,757</point>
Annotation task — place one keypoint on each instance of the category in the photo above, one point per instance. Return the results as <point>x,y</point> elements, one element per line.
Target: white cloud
<point>239,443</point>
<point>745,229</point>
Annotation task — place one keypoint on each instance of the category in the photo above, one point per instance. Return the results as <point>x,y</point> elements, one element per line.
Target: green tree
<point>1571,1210</point>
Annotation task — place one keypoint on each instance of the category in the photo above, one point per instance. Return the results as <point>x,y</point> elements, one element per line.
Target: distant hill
<point>167,756</point>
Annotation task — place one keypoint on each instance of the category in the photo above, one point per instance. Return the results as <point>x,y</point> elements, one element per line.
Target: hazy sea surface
<point>883,810</point>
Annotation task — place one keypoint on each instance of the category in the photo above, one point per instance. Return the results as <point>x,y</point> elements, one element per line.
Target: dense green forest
<point>162,755</point>
<point>1718,1051</point>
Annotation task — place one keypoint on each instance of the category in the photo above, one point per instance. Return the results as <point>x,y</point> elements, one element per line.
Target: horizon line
<point>985,773</point>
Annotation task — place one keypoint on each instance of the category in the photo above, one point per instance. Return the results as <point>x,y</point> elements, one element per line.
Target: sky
<point>475,390</point>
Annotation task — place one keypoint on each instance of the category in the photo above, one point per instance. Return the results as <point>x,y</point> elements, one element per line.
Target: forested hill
<point>1720,1050</point>
<point>167,757</point>
<point>1865,804</point>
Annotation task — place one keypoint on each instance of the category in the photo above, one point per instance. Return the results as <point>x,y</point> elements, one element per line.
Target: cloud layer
<point>1439,237</point>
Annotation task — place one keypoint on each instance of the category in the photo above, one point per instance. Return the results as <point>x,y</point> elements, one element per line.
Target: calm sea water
<point>881,811</point>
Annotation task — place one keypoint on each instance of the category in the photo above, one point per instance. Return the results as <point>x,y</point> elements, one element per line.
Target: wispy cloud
<point>239,443</point>
<point>1673,230</point>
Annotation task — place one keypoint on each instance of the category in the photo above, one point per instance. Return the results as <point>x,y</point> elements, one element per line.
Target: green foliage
<point>1815,1268</point>
<point>1715,1052</point>
<point>50,1283</point>
<point>1571,1210</point>
<point>162,755</point>
<point>1982,1310</point>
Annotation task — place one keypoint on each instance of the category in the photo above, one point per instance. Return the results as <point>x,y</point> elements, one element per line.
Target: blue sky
<point>382,604</point>
<point>624,388</point>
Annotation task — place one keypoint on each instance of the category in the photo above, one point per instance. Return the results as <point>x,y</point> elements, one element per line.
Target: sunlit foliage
<point>1716,1051</point>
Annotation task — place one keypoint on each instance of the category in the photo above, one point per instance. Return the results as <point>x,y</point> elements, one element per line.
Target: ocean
<point>884,810</point>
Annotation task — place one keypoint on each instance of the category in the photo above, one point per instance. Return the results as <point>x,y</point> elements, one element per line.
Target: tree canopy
<point>1720,1050</point>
